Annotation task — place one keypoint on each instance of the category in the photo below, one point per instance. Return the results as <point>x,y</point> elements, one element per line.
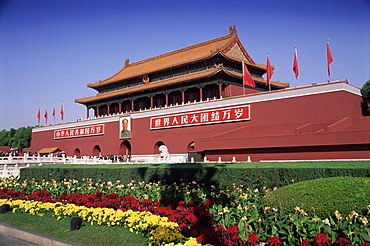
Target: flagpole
<point>54,113</point>
<point>268,75</point>
<point>46,115</point>
<point>38,116</point>
<point>295,65</point>
<point>62,112</point>
<point>243,77</point>
<point>329,57</point>
<point>296,52</point>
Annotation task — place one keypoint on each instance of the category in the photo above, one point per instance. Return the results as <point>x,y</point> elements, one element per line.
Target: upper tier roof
<point>225,45</point>
<point>173,80</point>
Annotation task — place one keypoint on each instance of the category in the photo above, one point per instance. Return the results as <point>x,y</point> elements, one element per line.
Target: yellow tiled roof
<point>174,80</point>
<point>49,150</point>
<point>178,57</point>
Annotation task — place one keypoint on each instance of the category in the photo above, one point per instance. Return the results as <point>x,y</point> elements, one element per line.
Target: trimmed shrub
<point>326,195</point>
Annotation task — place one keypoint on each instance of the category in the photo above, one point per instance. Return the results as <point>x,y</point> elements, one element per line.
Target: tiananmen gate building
<point>194,102</point>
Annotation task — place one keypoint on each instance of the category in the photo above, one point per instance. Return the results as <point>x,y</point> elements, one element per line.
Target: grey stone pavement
<point>6,240</point>
<point>15,236</point>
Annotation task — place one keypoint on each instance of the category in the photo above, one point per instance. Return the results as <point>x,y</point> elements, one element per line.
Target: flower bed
<point>212,215</point>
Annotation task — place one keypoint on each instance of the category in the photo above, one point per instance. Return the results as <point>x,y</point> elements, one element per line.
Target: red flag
<point>62,112</point>
<point>295,64</point>
<point>247,78</point>
<point>53,112</point>
<point>269,71</point>
<point>329,56</point>
<point>38,116</point>
<point>46,114</point>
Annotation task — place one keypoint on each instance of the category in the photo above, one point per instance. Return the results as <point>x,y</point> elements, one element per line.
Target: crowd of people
<point>10,153</point>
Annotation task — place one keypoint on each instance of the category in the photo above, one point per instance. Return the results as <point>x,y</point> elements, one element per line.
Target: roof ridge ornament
<point>232,29</point>
<point>127,62</point>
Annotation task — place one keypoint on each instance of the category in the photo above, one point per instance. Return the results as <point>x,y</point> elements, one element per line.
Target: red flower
<point>365,244</point>
<point>253,239</point>
<point>227,242</point>
<point>274,241</point>
<point>192,203</point>
<point>322,239</point>
<point>208,202</point>
<point>233,229</point>
<point>236,237</point>
<point>219,228</point>
<point>342,242</point>
<point>202,238</point>
<point>305,242</point>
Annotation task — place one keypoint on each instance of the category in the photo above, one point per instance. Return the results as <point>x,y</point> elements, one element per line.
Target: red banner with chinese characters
<point>83,131</point>
<point>213,116</point>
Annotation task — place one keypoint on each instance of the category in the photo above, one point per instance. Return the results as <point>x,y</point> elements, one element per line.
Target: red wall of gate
<point>283,128</point>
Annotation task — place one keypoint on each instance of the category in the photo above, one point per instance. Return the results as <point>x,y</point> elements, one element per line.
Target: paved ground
<point>15,236</point>
<point>6,240</point>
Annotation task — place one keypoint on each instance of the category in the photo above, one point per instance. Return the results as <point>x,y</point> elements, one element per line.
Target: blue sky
<point>51,49</point>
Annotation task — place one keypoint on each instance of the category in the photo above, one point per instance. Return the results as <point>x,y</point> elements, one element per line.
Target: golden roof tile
<point>178,57</point>
<point>169,81</point>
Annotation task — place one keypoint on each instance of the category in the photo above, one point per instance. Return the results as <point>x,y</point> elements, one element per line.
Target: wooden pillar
<point>183,96</point>
<point>108,109</point>
<point>132,106</point>
<point>119,107</point>
<point>166,95</point>
<point>200,94</point>
<point>97,112</point>
<point>151,102</point>
<point>220,90</point>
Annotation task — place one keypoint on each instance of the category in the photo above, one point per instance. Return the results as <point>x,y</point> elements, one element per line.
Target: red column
<point>166,95</point>
<point>201,94</point>
<point>220,90</point>
<point>108,109</point>
<point>119,107</point>
<point>97,113</point>
<point>132,106</point>
<point>183,96</point>
<point>151,102</point>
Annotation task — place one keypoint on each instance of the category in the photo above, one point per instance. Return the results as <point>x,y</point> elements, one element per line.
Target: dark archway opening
<point>96,151</point>
<point>77,152</point>
<point>156,147</point>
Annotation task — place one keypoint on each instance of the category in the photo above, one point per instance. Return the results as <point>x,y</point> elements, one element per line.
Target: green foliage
<point>239,205</point>
<point>365,91</point>
<point>247,174</point>
<point>324,195</point>
<point>16,138</point>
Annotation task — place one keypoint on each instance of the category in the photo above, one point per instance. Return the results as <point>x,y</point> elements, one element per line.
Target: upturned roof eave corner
<point>102,82</point>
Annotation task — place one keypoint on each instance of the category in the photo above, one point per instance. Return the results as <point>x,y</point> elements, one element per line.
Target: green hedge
<point>325,195</point>
<point>255,174</point>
